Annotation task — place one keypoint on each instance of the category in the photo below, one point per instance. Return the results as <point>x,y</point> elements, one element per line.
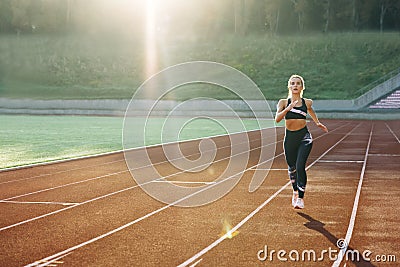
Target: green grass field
<point>334,65</point>
<point>33,139</point>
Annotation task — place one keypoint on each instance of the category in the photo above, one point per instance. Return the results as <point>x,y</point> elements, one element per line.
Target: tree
<point>385,5</point>
<point>240,17</point>
<point>355,14</point>
<point>300,7</point>
<point>327,15</point>
<point>272,14</point>
<point>20,20</point>
<point>5,16</point>
<point>68,12</point>
<point>256,16</point>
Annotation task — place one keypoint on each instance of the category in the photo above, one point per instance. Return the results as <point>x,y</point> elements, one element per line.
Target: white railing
<point>380,88</point>
<point>390,102</point>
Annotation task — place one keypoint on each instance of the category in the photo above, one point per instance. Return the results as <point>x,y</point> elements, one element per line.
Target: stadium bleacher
<point>392,101</point>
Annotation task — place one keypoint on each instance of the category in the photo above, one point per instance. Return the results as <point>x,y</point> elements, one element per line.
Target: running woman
<point>298,140</point>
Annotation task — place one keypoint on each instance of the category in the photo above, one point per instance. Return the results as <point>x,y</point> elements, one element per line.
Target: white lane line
<point>267,169</point>
<point>355,206</point>
<point>115,173</point>
<point>197,262</point>
<point>181,182</point>
<point>58,161</point>
<point>384,155</point>
<point>67,208</point>
<point>392,132</point>
<point>80,168</point>
<point>105,196</point>
<point>39,202</point>
<point>59,172</point>
<point>119,151</point>
<point>64,185</point>
<point>342,161</point>
<point>103,154</point>
<point>110,194</point>
<point>248,217</point>
<point>69,250</point>
<point>222,159</point>
<point>53,262</point>
<point>234,229</point>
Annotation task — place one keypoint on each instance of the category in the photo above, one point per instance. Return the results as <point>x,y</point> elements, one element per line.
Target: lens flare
<point>227,230</point>
<point>151,48</point>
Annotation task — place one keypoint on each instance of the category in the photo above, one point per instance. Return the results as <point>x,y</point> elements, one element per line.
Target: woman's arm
<point>281,110</point>
<point>314,115</point>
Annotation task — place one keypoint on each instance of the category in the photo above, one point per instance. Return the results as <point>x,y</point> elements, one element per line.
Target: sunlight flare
<point>227,230</point>
<point>151,47</point>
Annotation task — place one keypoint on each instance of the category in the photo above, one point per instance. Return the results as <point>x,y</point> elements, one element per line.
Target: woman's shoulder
<point>282,101</point>
<point>308,101</point>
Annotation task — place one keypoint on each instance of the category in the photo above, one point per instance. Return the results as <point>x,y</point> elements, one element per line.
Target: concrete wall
<point>114,107</point>
<point>137,107</point>
<point>325,108</point>
<point>58,106</point>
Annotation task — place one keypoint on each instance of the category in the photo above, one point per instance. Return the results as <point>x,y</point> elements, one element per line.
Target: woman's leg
<point>302,156</point>
<point>291,151</point>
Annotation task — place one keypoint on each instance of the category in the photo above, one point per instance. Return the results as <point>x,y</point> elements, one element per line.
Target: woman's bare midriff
<point>295,124</point>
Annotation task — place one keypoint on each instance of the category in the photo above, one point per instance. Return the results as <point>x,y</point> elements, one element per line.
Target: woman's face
<point>295,85</point>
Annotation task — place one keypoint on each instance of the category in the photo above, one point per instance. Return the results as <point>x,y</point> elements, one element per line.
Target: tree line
<point>208,17</point>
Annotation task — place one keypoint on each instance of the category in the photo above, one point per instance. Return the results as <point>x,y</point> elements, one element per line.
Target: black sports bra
<point>297,112</point>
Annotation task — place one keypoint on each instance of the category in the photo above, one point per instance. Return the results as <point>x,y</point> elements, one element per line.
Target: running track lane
<point>67,251</point>
<point>77,224</point>
<point>377,222</point>
<point>321,225</point>
<point>86,190</point>
<point>172,230</point>
<point>273,244</point>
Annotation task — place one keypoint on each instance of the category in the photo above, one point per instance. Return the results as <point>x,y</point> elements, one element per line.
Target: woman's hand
<point>281,109</point>
<point>322,127</point>
<point>292,105</point>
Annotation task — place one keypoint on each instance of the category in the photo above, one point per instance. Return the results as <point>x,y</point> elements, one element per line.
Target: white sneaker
<point>294,198</point>
<point>299,203</point>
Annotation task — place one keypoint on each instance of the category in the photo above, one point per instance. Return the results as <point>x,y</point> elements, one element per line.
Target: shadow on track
<point>318,226</point>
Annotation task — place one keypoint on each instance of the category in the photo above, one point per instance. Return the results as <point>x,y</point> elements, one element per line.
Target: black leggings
<point>297,147</point>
